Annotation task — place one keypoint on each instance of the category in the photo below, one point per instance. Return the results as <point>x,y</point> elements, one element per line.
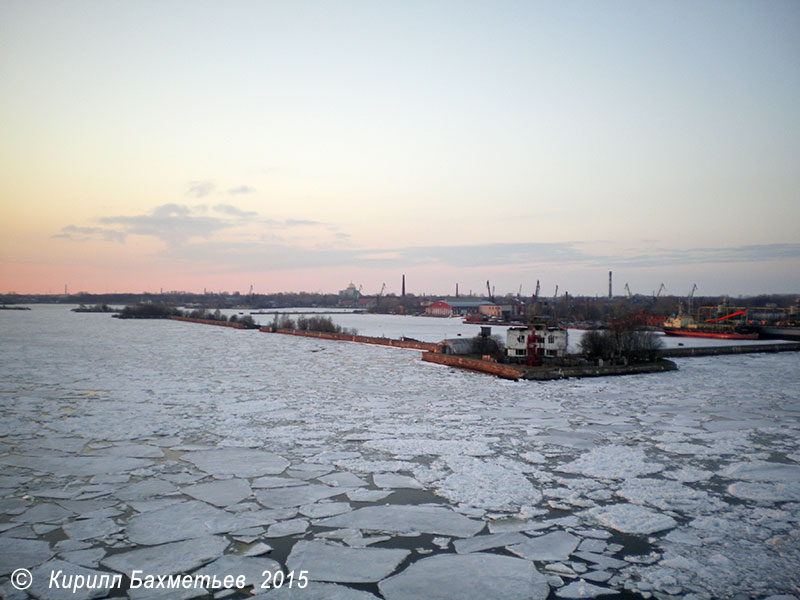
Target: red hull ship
<point>718,328</point>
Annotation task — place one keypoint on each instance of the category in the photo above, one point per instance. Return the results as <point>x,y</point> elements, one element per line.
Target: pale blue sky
<point>454,141</point>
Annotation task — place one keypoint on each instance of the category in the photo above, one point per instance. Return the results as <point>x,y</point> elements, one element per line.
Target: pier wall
<point>361,339</point>
<point>546,374</point>
<point>471,364</point>
<point>210,322</point>
<point>717,350</point>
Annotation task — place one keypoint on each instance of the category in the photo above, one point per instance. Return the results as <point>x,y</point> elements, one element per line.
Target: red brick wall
<point>483,366</point>
<point>363,339</point>
<point>209,322</point>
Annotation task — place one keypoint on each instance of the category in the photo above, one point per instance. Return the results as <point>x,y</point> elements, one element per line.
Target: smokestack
<point>404,286</point>
<point>456,290</point>
<point>609,284</point>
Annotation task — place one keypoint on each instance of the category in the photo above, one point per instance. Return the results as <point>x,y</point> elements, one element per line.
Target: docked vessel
<point>724,327</point>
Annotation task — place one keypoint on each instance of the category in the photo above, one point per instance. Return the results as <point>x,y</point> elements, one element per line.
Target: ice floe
<point>549,547</point>
<point>317,591</point>
<point>220,493</point>
<point>185,520</point>
<point>166,559</point>
<point>474,576</point>
<point>297,496</point>
<point>631,518</point>
<point>613,462</point>
<point>340,564</point>
<point>21,553</point>
<point>391,480</point>
<point>422,519</point>
<point>240,462</point>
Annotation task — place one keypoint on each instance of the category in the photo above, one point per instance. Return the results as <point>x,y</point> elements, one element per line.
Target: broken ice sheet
<point>391,480</point>
<point>220,493</point>
<point>85,529</point>
<point>325,509</point>
<point>190,519</point>
<point>144,490</point>
<point>317,591</point>
<point>44,513</point>
<point>286,528</point>
<point>167,559</point>
<point>630,518</point>
<point>496,484</point>
<point>240,462</point>
<point>340,564</point>
<point>764,471</point>
<point>362,495</point>
<point>342,480</point>
<point>252,567</point>
<point>612,462</point>
<point>668,495</point>
<point>77,465</point>
<point>766,492</point>
<point>274,481</point>
<point>467,577</point>
<point>486,542</point>
<point>582,589</point>
<point>396,518</point>
<point>41,579</point>
<point>297,496</point>
<point>19,553</point>
<point>425,447</point>
<point>552,546</point>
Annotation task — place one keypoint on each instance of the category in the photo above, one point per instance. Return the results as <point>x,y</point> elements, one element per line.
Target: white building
<point>533,344</point>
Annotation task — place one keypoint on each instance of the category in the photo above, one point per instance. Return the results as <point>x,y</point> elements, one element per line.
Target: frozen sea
<point>170,447</point>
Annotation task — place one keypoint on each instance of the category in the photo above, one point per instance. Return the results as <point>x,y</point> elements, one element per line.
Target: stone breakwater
<point>210,322</point>
<point>362,339</point>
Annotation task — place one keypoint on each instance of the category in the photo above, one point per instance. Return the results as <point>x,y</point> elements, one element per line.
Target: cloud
<point>242,189</point>
<point>273,254</point>
<point>178,224</point>
<point>80,234</point>
<point>173,224</point>
<point>663,257</point>
<point>199,189</point>
<point>300,223</point>
<point>233,211</point>
<point>276,255</point>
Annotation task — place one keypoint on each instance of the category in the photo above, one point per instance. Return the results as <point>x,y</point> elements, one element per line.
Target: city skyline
<point>302,146</point>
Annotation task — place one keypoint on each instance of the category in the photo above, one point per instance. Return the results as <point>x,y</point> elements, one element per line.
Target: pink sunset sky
<point>304,145</point>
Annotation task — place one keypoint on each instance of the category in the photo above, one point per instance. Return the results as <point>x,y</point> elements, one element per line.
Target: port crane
<point>628,290</point>
<point>556,294</point>
<point>660,289</point>
<point>691,295</point>
<point>378,297</point>
<point>490,291</point>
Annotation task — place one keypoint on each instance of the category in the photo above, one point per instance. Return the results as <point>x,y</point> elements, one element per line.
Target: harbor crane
<point>660,289</point>
<point>490,291</point>
<point>556,294</point>
<point>628,290</point>
<point>689,299</point>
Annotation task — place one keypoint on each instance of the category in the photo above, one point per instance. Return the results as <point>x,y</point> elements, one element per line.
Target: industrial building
<point>450,308</point>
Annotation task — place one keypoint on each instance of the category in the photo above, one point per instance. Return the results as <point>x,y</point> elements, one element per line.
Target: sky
<point>303,145</point>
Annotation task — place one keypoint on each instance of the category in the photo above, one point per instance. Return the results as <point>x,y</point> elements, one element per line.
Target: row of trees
<point>623,341</point>
<point>313,323</point>
<point>163,311</point>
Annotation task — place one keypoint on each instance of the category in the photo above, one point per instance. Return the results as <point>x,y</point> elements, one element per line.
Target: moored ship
<point>719,327</point>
